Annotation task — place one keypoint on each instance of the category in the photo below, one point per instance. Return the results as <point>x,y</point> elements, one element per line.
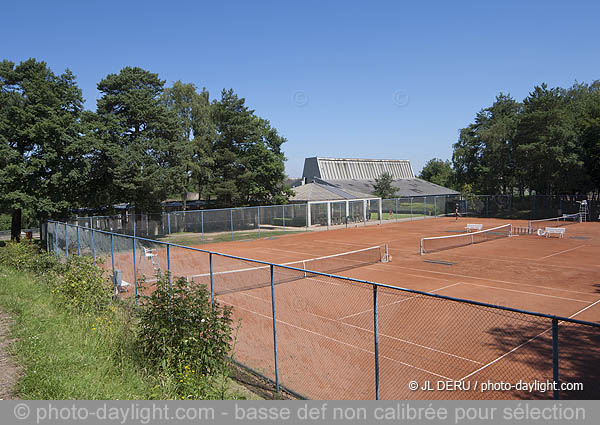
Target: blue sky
<point>341,79</point>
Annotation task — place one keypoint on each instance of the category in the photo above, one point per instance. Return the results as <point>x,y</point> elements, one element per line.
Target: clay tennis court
<point>325,336</point>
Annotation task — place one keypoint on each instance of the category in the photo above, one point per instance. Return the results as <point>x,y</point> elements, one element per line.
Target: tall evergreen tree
<point>248,160</point>
<point>136,141</point>
<point>484,154</point>
<point>42,161</point>
<point>383,187</point>
<point>584,106</point>
<point>546,151</point>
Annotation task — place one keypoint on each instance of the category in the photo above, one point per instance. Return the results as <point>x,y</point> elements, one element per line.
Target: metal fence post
<point>307,216</point>
<point>411,208</point>
<point>435,206</point>
<point>560,206</point>
<point>555,394</point>
<point>112,255</point>
<point>274,329</point>
<point>283,216</point>
<point>93,244</point>
<point>169,225</point>
<point>66,241</point>
<point>169,268</point>
<point>376,335</point>
<point>55,239</point>
<point>201,223</point>
<point>396,209</point>
<point>212,288</point>
<point>78,248</point>
<point>135,283</point>
<point>258,211</point>
<point>487,198</point>
<point>425,206</point>
<point>231,221</point>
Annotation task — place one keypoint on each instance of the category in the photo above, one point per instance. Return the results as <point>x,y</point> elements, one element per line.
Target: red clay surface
<point>325,332</point>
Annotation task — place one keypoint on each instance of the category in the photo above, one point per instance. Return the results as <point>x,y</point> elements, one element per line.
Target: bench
<point>560,231</point>
<point>475,227</point>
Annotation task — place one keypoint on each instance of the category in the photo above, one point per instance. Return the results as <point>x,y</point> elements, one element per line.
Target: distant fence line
<point>329,336</point>
<point>251,221</point>
<point>529,207</point>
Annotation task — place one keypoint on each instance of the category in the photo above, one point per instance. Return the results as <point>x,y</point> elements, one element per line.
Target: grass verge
<point>68,353</point>
<point>191,239</point>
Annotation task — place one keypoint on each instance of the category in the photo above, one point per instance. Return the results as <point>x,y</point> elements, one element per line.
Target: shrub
<point>24,256</point>
<point>82,285</point>
<point>77,283</point>
<point>183,335</point>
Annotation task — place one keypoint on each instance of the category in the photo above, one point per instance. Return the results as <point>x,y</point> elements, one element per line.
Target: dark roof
<point>325,192</point>
<point>405,187</point>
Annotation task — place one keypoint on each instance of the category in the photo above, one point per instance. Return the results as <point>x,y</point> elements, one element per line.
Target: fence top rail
<point>234,208</point>
<point>350,279</point>
<point>184,211</point>
<point>342,201</point>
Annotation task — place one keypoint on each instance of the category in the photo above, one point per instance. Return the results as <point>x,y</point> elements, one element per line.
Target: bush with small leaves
<point>180,331</point>
<point>24,256</point>
<point>82,285</point>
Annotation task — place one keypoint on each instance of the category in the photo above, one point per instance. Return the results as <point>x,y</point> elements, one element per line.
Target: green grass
<point>386,215</point>
<point>68,355</point>
<point>191,239</point>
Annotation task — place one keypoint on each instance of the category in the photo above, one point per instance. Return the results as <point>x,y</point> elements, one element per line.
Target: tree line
<point>144,143</point>
<point>547,144</point>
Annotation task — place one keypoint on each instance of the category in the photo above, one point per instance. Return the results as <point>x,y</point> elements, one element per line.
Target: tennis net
<point>247,278</point>
<point>563,220</point>
<point>439,243</point>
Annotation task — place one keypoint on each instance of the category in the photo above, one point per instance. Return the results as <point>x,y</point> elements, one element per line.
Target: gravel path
<point>9,371</point>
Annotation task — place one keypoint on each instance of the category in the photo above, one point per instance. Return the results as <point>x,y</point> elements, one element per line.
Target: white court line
<point>396,302</point>
<point>525,292</point>
<point>338,243</point>
<point>370,331</point>
<point>525,343</point>
<point>339,342</point>
<point>514,260</point>
<point>407,342</point>
<point>394,265</point>
<point>561,252</point>
<point>287,250</point>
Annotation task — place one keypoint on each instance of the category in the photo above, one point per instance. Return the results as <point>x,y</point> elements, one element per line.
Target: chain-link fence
<point>215,225</point>
<point>529,207</point>
<point>211,225</point>
<point>419,207</point>
<point>331,337</point>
